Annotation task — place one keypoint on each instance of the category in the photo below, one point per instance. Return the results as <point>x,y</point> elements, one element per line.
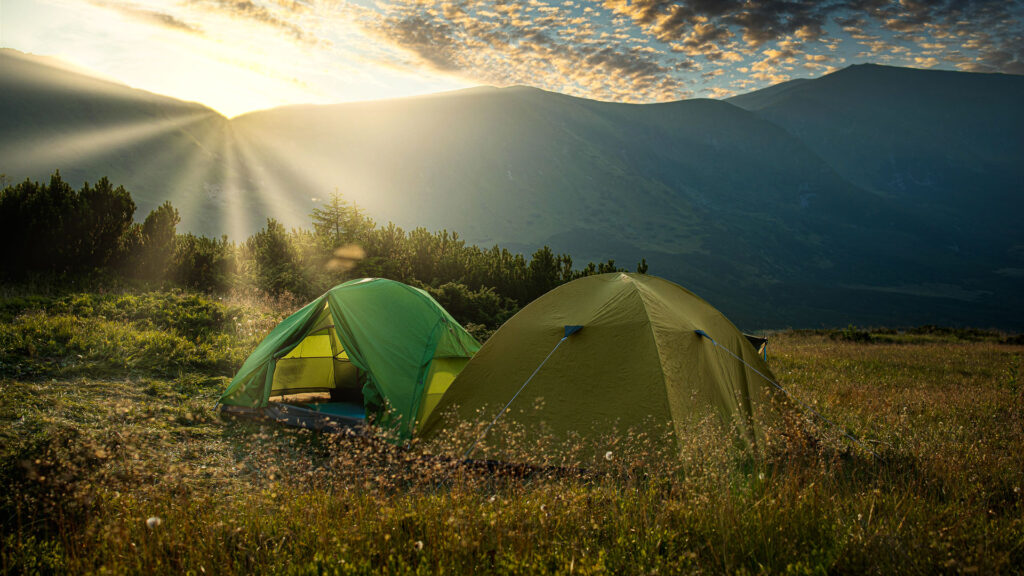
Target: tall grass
<point>106,425</point>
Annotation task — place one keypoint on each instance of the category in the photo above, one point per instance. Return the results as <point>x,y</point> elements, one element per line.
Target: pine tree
<point>329,222</point>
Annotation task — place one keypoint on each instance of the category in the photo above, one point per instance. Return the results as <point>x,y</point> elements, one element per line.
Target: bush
<point>53,228</point>
<point>851,334</point>
<point>276,262</point>
<point>118,334</point>
<point>204,263</point>
<point>483,306</point>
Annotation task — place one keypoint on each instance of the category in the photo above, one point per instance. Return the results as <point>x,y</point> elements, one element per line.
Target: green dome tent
<point>609,351</point>
<point>377,346</point>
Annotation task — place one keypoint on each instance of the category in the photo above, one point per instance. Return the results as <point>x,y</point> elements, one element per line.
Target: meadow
<point>113,460</point>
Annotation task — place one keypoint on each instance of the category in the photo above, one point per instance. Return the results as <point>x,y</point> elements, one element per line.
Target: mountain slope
<point>523,165</point>
<point>160,148</point>
<point>716,198</point>
<point>949,143</point>
<point>778,218</point>
<point>946,146</point>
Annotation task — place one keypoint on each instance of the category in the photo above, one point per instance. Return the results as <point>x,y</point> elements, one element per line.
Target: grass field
<point>113,461</point>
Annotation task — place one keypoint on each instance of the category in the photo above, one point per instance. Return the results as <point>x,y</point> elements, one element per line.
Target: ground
<point>113,460</point>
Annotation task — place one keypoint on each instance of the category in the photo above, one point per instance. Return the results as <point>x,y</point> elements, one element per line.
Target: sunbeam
<point>186,168</point>
<point>233,215</point>
<point>57,149</point>
<point>275,177</point>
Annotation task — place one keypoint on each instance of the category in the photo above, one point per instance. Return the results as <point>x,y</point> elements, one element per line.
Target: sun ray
<point>188,174</point>
<point>66,149</point>
<point>278,169</point>
<point>275,191</point>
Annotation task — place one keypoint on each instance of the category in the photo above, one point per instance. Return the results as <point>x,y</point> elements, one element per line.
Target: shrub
<point>204,263</point>
<point>483,306</point>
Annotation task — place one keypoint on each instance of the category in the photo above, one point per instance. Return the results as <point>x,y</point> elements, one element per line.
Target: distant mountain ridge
<point>764,204</point>
<point>918,136</point>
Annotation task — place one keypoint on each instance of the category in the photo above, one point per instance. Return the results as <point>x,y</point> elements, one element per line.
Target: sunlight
<point>232,63</point>
<point>279,169</point>
<point>194,175</point>
<point>211,203</point>
<point>275,193</point>
<point>47,151</point>
<point>235,201</point>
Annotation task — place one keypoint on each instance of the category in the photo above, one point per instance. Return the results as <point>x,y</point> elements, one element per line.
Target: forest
<point>55,233</point>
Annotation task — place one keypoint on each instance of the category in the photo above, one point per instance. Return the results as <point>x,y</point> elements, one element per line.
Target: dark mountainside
<point>946,144</point>
<point>862,211</point>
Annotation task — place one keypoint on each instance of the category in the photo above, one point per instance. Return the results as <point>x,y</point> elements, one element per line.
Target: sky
<point>241,55</point>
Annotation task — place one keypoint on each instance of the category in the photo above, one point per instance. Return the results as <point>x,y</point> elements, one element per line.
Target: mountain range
<point>872,195</point>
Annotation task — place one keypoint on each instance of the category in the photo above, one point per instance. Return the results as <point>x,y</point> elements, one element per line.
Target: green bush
<point>204,263</point>
<point>483,306</point>
<point>851,334</point>
<point>276,262</point>
<point>54,228</point>
<point>157,332</point>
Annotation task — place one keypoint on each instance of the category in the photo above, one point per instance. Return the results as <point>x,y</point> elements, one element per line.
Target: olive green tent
<point>373,344</point>
<point>609,351</point>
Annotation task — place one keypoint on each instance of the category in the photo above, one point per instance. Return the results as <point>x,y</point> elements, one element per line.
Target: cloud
<point>153,17</point>
<point>625,50</point>
<point>286,17</point>
<point>997,59</point>
<point>279,15</point>
<point>553,46</point>
<point>650,50</point>
<point>757,21</point>
<point>719,92</point>
<point>942,30</point>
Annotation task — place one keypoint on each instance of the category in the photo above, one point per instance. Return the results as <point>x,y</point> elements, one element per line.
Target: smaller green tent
<point>373,344</point>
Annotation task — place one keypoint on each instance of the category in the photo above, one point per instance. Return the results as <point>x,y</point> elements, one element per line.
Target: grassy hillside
<point>944,146</point>
<point>113,461</point>
<point>523,165</point>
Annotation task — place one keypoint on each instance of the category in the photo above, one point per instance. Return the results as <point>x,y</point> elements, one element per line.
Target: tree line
<point>51,229</point>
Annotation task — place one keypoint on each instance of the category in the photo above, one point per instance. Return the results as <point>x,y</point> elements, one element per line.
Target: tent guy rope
<point>568,332</point>
<point>810,408</point>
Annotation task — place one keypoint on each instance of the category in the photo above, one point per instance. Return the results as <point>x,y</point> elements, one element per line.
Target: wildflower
<point>608,455</point>
<point>417,545</point>
<point>153,521</point>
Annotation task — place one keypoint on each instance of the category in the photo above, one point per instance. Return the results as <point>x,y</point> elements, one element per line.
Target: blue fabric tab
<point>570,330</point>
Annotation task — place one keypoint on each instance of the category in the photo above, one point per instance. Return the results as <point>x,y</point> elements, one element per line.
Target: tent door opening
<point>318,374</point>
